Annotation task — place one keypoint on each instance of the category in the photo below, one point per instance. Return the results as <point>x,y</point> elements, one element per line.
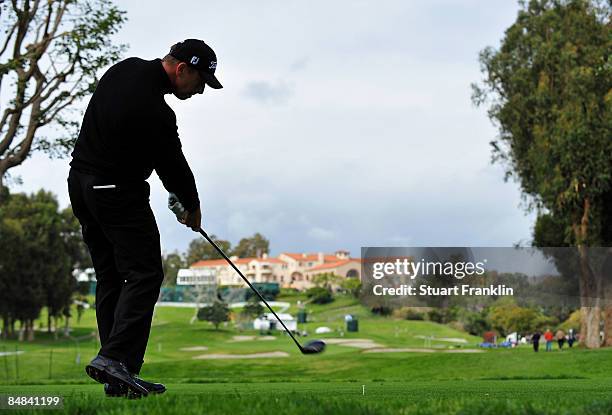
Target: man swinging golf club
<point>127,132</point>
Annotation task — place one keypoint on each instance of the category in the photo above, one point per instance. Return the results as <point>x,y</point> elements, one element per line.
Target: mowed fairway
<point>424,397</point>
<point>447,374</point>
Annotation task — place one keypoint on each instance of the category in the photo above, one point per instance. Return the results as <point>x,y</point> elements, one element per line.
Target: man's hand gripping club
<point>192,220</point>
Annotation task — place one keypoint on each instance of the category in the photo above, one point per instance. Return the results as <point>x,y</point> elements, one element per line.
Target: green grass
<point>427,397</point>
<point>495,381</point>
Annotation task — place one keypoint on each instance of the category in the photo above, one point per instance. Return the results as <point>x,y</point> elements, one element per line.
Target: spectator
<point>571,338</point>
<point>548,336</point>
<point>535,339</point>
<point>560,335</point>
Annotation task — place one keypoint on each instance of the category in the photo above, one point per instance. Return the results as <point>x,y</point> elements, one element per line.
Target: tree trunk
<point>21,330</point>
<point>590,319</point>
<point>48,322</point>
<point>608,324</point>
<point>590,286</point>
<point>5,327</point>
<point>30,330</point>
<point>55,325</point>
<point>607,298</point>
<point>67,326</point>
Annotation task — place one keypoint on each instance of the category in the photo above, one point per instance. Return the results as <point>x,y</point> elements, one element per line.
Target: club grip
<point>175,205</point>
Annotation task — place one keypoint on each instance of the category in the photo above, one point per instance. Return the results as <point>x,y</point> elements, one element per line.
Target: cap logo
<point>213,65</point>
<point>194,60</point>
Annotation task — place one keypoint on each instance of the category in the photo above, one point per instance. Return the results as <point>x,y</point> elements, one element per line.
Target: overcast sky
<point>341,124</point>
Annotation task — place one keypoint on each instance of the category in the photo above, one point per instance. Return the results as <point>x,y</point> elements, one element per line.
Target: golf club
<point>315,346</point>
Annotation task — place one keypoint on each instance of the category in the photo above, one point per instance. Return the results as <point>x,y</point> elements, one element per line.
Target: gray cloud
<point>277,93</point>
<point>373,140</point>
<point>299,64</point>
<point>321,233</point>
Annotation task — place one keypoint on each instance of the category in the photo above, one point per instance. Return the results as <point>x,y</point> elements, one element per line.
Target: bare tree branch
<point>26,143</point>
<point>9,35</point>
<point>57,110</point>
<point>23,21</point>
<point>35,51</point>
<point>56,49</point>
<point>35,9</point>
<point>15,117</point>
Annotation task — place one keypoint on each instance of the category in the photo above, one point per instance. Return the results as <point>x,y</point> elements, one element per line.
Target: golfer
<point>127,132</point>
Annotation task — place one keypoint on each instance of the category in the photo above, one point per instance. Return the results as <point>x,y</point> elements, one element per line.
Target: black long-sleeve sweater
<point>128,131</point>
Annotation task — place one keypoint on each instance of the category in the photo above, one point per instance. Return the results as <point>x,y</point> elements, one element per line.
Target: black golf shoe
<point>118,390</point>
<point>155,388</point>
<point>105,370</point>
<point>115,390</point>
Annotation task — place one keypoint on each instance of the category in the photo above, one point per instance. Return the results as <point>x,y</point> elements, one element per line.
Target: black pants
<point>121,233</point>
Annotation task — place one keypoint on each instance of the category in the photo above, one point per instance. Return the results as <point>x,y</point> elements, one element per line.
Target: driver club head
<point>315,346</point>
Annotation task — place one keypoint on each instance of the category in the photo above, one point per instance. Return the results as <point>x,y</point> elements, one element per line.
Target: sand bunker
<point>362,345</point>
<point>242,338</point>
<point>346,340</point>
<point>414,350</point>
<point>443,339</point>
<point>402,350</point>
<point>370,346</point>
<point>250,338</point>
<point>242,356</point>
<point>357,343</point>
<point>194,349</point>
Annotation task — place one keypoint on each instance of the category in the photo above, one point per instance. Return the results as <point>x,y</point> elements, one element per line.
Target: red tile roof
<point>311,257</point>
<point>330,261</point>
<point>215,262</point>
<point>330,265</point>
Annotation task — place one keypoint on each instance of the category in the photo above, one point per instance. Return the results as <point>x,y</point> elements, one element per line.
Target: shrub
<point>573,322</point>
<point>408,313</point>
<point>319,295</point>
<point>442,315</point>
<point>215,314</point>
<point>508,317</point>
<point>475,323</point>
<point>252,309</point>
<point>351,286</point>
<point>381,310</point>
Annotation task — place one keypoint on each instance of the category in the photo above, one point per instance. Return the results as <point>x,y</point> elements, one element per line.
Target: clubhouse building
<point>289,270</point>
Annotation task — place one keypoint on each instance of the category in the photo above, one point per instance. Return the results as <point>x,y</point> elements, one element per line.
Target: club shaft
<point>205,235</point>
